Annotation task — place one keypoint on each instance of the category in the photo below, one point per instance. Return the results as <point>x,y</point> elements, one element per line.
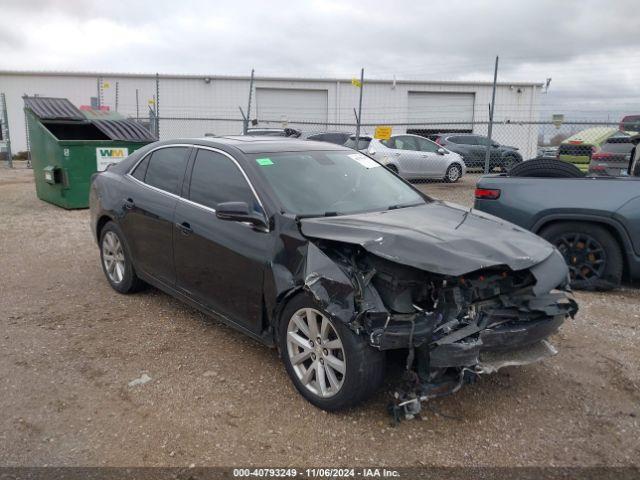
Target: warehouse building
<point>195,105</point>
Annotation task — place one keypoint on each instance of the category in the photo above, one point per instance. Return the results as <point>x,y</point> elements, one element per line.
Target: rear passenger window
<point>141,169</point>
<point>166,167</point>
<point>216,179</point>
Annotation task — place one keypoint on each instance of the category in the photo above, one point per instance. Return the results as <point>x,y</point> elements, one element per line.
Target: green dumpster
<point>68,145</point>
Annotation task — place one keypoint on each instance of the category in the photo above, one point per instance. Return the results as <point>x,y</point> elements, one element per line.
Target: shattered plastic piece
<point>144,378</point>
<point>491,362</point>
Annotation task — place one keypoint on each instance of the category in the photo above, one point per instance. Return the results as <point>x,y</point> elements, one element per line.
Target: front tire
<point>116,260</point>
<point>592,254</point>
<point>453,173</point>
<point>330,365</point>
<point>508,162</point>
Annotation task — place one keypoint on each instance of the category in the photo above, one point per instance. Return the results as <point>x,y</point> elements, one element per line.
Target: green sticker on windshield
<point>264,161</point>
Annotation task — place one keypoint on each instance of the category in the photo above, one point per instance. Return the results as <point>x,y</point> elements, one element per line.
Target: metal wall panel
<point>292,104</point>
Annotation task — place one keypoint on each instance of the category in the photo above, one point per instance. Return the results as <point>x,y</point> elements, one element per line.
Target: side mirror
<point>372,152</point>
<point>239,212</point>
<point>495,145</point>
<point>441,151</point>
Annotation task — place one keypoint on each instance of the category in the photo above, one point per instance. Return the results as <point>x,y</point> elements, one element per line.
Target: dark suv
<point>473,149</point>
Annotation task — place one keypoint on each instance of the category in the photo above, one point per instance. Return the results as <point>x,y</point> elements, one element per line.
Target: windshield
<point>333,183</point>
<point>363,143</point>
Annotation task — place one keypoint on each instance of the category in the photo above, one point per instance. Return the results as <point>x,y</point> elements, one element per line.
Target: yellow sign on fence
<point>383,132</point>
<point>356,83</point>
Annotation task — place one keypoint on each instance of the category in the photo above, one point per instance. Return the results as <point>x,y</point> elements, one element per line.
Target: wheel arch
<point>102,221</point>
<point>616,230</point>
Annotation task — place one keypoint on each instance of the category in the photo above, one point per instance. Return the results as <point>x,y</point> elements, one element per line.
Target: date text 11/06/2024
<point>316,472</point>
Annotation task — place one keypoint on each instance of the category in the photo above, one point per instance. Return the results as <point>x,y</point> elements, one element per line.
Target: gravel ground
<point>71,346</point>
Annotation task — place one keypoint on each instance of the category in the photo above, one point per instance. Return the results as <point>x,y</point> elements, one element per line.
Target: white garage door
<point>291,105</point>
<point>438,107</point>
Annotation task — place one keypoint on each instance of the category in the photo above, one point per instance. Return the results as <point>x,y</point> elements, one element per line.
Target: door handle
<point>128,204</point>
<point>185,228</point>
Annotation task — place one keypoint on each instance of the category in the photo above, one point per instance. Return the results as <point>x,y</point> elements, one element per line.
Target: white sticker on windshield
<point>364,160</point>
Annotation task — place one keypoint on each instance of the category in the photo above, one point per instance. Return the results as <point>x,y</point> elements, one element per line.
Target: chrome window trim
<point>186,200</point>
<point>159,190</point>
<point>246,178</point>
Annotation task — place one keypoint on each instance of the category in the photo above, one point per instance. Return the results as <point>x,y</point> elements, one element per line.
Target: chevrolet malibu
<point>323,253</point>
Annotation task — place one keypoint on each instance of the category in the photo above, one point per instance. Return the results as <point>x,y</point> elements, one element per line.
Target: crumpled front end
<point>453,328</point>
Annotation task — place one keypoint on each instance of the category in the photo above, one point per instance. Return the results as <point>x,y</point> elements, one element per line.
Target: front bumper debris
<point>407,401</point>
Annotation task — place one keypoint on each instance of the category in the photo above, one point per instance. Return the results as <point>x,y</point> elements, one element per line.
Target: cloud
<point>589,47</point>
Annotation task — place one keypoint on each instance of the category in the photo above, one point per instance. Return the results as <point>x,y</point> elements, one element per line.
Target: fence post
<point>246,120</point>
<point>4,121</point>
<point>137,106</point>
<point>27,137</point>
<point>359,109</point>
<point>117,92</point>
<point>99,92</point>
<point>492,107</point>
<point>157,105</point>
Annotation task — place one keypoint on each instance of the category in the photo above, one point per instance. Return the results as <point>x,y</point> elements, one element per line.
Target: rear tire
<point>593,255</point>
<point>363,366</point>
<point>545,168</point>
<point>116,260</point>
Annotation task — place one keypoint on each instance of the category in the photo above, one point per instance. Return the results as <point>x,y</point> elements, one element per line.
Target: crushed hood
<point>437,237</point>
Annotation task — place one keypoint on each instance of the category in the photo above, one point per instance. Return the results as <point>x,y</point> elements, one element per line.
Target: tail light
<point>601,156</point>
<point>487,193</point>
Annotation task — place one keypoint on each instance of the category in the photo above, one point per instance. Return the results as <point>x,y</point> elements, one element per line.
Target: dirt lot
<point>70,346</point>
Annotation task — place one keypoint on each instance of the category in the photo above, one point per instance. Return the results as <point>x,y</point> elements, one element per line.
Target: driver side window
<point>216,179</point>
<point>406,143</point>
<point>427,146</point>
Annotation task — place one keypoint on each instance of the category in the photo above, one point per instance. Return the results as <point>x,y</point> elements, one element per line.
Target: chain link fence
<point>416,145</point>
<point>423,134</point>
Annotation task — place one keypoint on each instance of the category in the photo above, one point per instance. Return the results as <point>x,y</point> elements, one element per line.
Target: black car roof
<point>262,144</point>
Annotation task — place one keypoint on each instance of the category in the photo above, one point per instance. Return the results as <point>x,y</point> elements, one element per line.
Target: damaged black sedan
<point>324,253</point>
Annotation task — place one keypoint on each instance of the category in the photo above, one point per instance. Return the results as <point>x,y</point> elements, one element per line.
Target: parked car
<point>630,123</point>
<point>316,249</point>
<point>274,132</point>
<point>547,152</point>
<point>578,148</point>
<point>593,221</point>
<point>473,149</point>
<point>613,157</point>
<point>338,138</point>
<point>363,143</point>
<point>414,157</point>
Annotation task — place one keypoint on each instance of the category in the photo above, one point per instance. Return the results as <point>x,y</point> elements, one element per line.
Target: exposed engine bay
<point>453,327</point>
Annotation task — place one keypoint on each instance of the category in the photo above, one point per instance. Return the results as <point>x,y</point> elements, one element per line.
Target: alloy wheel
<point>453,174</point>
<point>316,352</point>
<point>113,257</point>
<point>584,255</point>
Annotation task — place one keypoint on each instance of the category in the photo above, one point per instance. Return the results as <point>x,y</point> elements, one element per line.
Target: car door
<point>148,209</point>
<point>220,263</point>
<point>433,163</point>
<point>494,151</point>
<point>474,152</point>
<point>406,154</point>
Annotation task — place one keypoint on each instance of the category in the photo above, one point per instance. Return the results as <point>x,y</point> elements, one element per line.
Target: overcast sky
<point>589,48</point>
